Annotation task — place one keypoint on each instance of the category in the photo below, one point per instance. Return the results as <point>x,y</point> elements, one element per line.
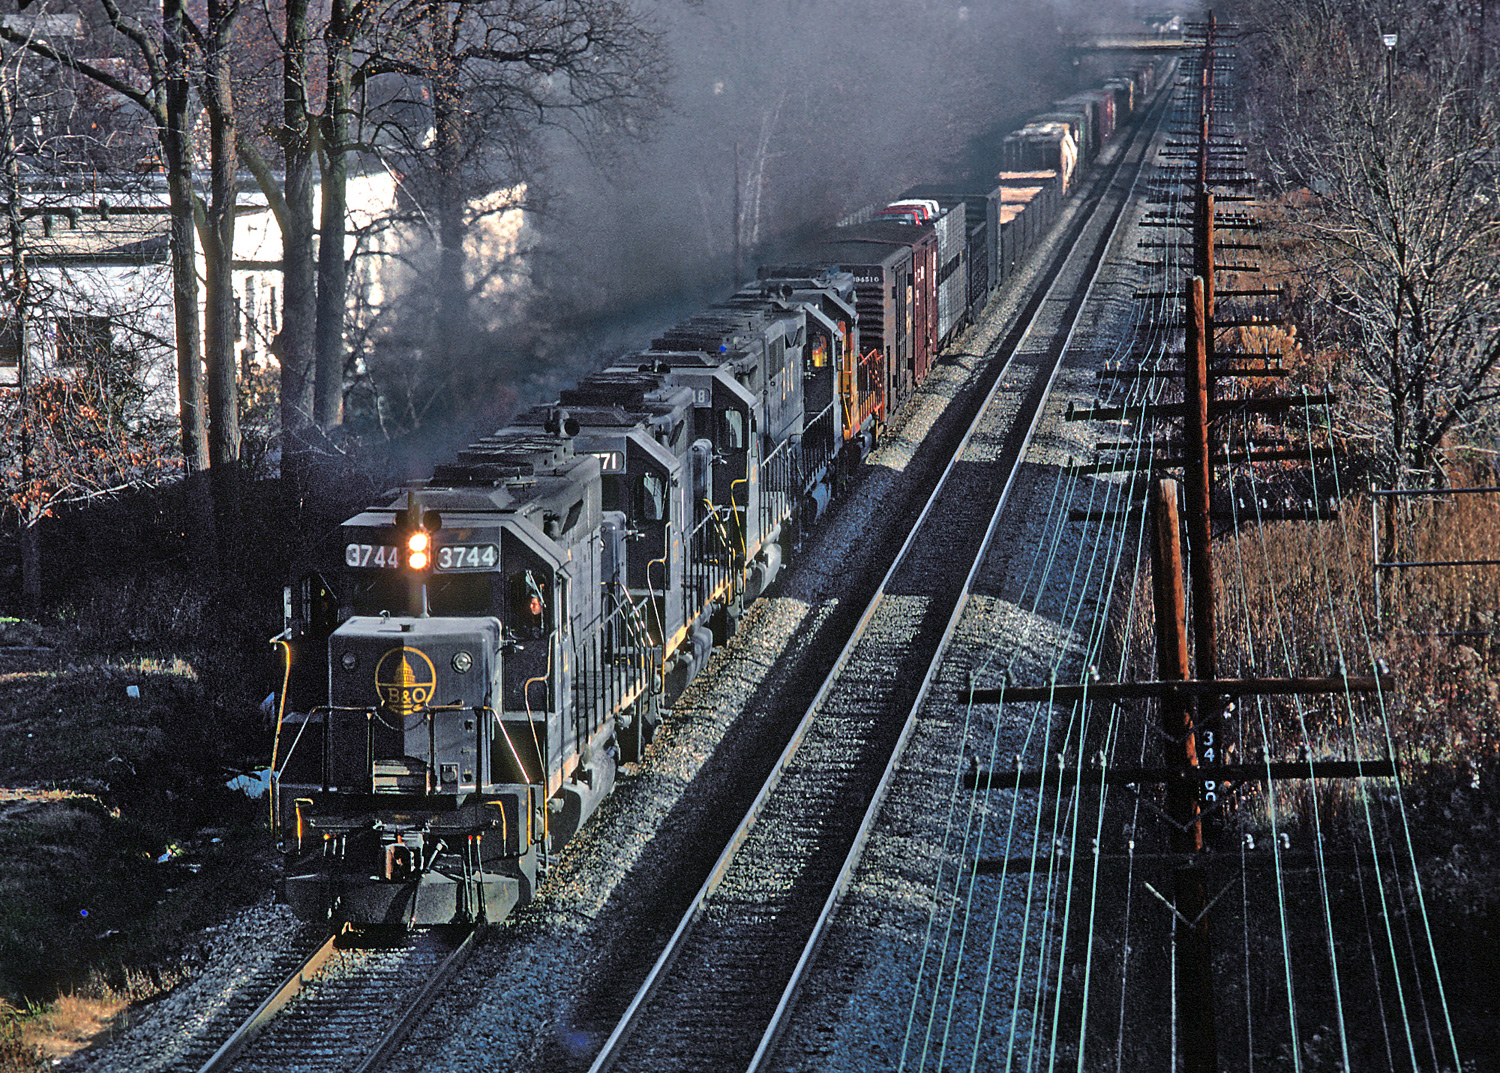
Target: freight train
<point>501,637</point>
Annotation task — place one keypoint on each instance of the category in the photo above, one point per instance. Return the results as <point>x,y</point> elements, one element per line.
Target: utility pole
<point>1389,40</point>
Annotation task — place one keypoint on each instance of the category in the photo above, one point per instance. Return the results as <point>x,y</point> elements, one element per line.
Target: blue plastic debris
<point>253,784</point>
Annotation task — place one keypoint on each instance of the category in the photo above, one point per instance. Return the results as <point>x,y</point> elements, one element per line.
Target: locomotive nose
<point>407,666</point>
<point>409,703</point>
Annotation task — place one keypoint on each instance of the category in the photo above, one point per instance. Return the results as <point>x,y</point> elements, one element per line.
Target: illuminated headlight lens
<point>417,560</point>
<point>462,661</point>
<point>418,542</point>
<point>349,661</point>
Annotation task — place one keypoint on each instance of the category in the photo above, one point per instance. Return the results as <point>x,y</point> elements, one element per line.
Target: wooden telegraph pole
<point>1189,690</point>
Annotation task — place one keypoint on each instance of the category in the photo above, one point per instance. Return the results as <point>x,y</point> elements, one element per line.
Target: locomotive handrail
<point>734,508</point>
<point>715,518</point>
<point>661,623</point>
<point>286,678</point>
<point>782,446</point>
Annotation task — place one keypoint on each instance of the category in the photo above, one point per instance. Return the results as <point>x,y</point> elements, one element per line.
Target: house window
<point>82,340</point>
<point>10,349</point>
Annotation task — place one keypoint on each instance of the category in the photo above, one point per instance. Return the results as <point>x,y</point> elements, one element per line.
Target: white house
<point>100,277</point>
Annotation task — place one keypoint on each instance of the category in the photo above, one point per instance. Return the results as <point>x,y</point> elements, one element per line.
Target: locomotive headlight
<point>349,661</point>
<point>418,545</point>
<point>462,661</point>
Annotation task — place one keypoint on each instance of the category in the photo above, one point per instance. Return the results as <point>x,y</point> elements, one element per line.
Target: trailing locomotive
<point>502,636</point>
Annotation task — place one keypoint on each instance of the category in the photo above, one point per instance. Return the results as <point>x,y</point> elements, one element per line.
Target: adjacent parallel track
<point>718,993</point>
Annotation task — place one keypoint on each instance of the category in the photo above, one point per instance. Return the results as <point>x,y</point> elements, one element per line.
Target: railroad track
<point>346,1006</point>
<point>718,994</point>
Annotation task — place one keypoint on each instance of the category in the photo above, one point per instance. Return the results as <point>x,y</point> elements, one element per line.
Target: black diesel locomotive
<point>503,636</point>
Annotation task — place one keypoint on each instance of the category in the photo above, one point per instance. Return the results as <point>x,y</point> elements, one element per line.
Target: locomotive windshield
<point>447,594</point>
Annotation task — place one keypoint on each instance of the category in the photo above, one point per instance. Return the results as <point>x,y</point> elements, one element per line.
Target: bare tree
<point>447,94</point>
<point>216,44</point>
<point>466,90</point>
<point>1398,148</point>
<point>92,370</point>
<point>173,68</point>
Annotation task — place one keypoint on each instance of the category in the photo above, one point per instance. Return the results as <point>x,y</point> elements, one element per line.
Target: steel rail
<point>614,1046</point>
<point>401,1028</point>
<point>235,1046</point>
<point>266,1012</point>
<point>872,811</point>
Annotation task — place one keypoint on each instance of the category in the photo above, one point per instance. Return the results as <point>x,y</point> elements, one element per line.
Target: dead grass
<point>37,1035</point>
<point>101,784</point>
<point>103,798</point>
<point>1297,599</point>
<point>68,1024</point>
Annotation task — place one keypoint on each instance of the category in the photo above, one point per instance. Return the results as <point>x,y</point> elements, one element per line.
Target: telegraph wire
<point>1411,856</point>
<point>1362,790</point>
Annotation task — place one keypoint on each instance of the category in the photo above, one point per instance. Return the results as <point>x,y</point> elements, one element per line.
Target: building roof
<point>87,238</point>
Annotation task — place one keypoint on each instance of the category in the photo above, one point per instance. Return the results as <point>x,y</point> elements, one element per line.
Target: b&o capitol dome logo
<point>404,680</point>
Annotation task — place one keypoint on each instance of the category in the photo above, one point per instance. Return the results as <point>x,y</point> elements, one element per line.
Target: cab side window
<point>732,430</point>
<point>651,498</point>
<point>528,604</point>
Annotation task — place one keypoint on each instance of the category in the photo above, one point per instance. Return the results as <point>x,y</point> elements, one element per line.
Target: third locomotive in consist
<point>502,637</point>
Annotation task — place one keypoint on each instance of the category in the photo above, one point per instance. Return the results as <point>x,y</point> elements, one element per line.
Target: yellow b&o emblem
<point>404,680</point>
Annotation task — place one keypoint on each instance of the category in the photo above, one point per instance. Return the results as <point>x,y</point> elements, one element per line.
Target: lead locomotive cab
<point>470,730</point>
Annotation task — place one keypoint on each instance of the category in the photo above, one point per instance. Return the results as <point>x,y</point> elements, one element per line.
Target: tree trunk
<point>295,344</point>
<point>219,315</point>
<point>332,267</point>
<point>176,151</point>
<point>20,285</point>
<point>177,158</point>
<point>449,330</point>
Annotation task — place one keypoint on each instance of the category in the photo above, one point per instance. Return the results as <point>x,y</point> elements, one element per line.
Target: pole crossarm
<point>1177,461</point>
<point>1145,245</point>
<point>1449,491</point>
<point>1410,564</point>
<point>1189,687</point>
<point>1312,512</point>
<point>1276,770</point>
<point>1216,408</point>
<point>1176,374</point>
